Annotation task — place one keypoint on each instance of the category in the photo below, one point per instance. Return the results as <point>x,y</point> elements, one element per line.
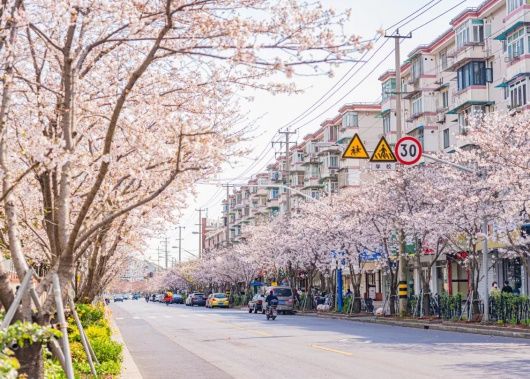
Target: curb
<point>434,326</point>
<point>129,369</point>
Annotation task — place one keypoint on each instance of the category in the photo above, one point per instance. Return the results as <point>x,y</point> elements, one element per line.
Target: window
<point>421,136</point>
<point>514,4</point>
<point>417,68</point>
<point>471,32</point>
<point>299,157</point>
<point>462,36</point>
<point>315,195</point>
<point>333,161</point>
<point>463,117</point>
<point>446,138</point>
<point>474,74</point>
<point>388,88</point>
<point>445,99</point>
<point>274,193</point>
<point>443,59</point>
<point>518,93</point>
<point>515,43</point>
<point>386,123</point>
<point>417,105</point>
<point>332,133</point>
<point>349,120</point>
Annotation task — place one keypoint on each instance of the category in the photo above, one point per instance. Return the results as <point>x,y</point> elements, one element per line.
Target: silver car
<point>285,298</point>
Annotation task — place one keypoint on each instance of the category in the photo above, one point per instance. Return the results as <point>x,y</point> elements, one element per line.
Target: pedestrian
<point>349,293</point>
<point>507,288</point>
<point>494,290</point>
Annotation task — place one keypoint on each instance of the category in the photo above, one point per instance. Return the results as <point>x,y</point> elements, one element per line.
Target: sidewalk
<point>490,330</point>
<point>129,369</point>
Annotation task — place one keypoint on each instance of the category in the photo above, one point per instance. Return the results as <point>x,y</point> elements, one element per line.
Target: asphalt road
<point>182,342</point>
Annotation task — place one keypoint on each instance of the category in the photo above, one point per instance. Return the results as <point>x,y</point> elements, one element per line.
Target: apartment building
<point>480,64</point>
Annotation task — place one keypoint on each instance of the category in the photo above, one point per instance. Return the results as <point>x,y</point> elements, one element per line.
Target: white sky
<point>273,112</point>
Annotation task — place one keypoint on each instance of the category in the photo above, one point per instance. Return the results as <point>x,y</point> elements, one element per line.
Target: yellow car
<point>217,300</point>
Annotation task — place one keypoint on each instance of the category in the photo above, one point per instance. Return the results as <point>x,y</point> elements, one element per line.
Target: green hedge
<point>509,308</point>
<point>108,352</point>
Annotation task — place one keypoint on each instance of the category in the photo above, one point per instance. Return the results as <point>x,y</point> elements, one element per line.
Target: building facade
<point>480,64</point>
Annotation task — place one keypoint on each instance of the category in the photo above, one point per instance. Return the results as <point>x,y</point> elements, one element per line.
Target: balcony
<point>517,66</point>
<point>469,52</point>
<point>472,95</point>
<point>273,203</point>
<point>328,172</point>
<point>415,85</point>
<point>421,119</point>
<point>312,182</point>
<point>329,147</point>
<point>311,159</point>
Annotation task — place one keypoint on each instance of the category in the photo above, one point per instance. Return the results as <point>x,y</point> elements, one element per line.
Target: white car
<point>159,297</point>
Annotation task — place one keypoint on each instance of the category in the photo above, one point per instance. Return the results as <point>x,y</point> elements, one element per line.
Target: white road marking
<point>136,318</point>
<point>120,318</point>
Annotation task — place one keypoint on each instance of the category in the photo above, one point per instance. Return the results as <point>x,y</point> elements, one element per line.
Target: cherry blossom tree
<point>107,105</point>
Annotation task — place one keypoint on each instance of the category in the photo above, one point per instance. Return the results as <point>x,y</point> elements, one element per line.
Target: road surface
<point>176,341</point>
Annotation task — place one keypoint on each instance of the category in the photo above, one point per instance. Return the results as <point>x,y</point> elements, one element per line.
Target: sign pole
<point>339,289</point>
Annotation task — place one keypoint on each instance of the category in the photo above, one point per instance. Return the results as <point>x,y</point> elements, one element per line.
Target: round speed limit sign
<point>408,150</point>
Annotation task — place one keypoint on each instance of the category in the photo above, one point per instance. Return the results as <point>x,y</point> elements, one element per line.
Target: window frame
<point>416,105</point>
<point>518,93</point>
<point>446,138</point>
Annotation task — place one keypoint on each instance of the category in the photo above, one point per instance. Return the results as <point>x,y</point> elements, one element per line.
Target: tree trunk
<point>31,361</point>
<point>357,298</point>
<point>426,299</point>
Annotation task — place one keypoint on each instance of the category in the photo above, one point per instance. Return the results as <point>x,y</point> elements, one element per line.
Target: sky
<point>272,112</point>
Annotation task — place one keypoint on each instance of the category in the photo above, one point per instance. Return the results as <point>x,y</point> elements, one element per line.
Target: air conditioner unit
<point>441,118</point>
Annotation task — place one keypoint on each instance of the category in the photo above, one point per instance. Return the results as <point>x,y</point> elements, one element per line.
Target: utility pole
<point>166,252</point>
<point>200,210</point>
<point>180,242</point>
<point>402,273</point>
<point>287,174</point>
<point>227,221</point>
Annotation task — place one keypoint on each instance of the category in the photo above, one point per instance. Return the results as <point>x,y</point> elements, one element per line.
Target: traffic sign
<point>383,166</point>
<point>408,150</point>
<point>355,149</point>
<point>383,152</point>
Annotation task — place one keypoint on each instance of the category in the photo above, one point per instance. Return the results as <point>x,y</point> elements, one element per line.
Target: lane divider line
<point>331,350</point>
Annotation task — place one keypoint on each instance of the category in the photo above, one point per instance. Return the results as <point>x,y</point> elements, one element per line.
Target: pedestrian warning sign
<point>355,149</point>
<point>383,152</point>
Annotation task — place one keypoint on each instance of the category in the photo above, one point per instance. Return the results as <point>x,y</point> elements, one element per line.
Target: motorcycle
<point>272,311</point>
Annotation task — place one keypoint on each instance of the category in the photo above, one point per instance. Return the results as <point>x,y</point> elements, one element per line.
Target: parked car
<point>118,298</point>
<point>285,298</point>
<point>177,299</point>
<point>196,298</point>
<point>257,304</point>
<point>217,300</point>
<point>136,296</point>
<point>159,297</point>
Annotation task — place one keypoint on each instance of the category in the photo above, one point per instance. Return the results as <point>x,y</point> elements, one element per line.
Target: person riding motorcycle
<point>271,296</point>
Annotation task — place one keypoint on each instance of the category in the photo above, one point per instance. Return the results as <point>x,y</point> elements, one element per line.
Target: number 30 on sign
<point>408,150</point>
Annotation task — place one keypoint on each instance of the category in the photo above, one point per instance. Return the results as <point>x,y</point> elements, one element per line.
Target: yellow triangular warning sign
<point>383,152</point>
<point>355,149</point>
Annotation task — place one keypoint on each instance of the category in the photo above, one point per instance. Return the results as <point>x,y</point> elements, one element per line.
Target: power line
<point>429,5</point>
<point>329,93</point>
